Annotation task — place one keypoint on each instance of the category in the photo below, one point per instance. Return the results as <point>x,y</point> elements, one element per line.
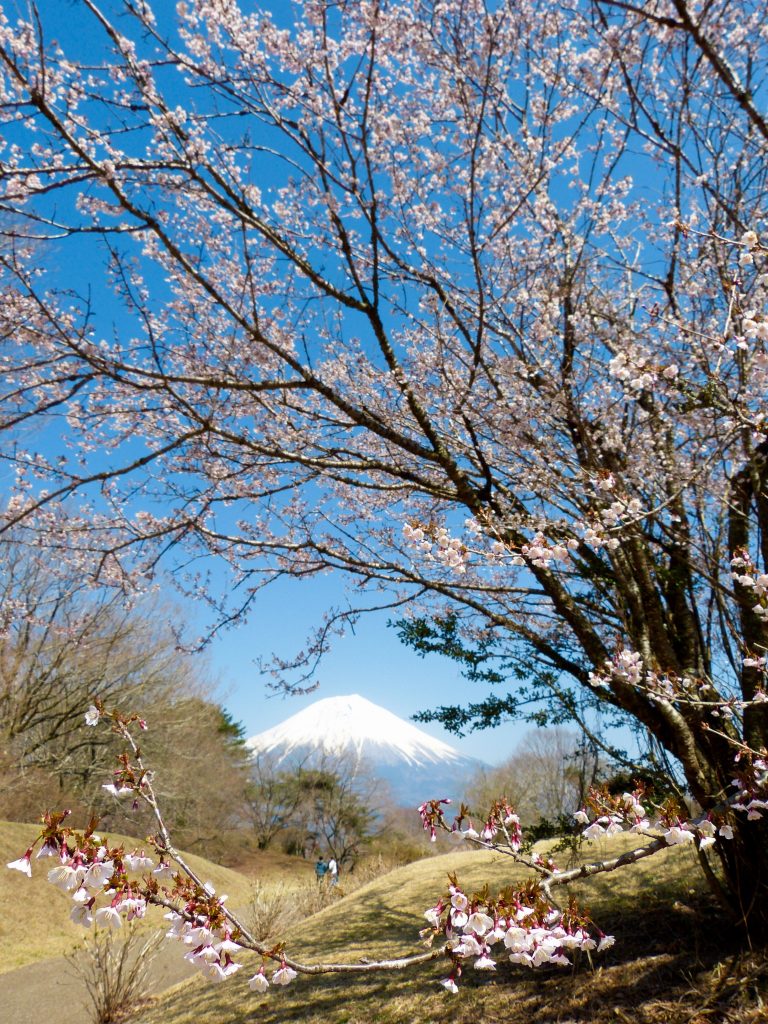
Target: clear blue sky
<point>371,662</point>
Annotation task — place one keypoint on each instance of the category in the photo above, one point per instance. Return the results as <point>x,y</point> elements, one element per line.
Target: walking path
<point>52,991</point>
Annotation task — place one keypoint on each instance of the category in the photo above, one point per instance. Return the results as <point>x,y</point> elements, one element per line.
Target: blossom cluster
<point>102,882</point>
<point>628,668</point>
<point>100,878</point>
<point>606,815</point>
<point>745,573</point>
<point>639,372</point>
<point>598,530</point>
<point>202,926</point>
<point>438,544</point>
<point>751,785</point>
<point>212,941</point>
<point>501,823</point>
<point>519,926</point>
<point>601,528</point>
<point>541,553</point>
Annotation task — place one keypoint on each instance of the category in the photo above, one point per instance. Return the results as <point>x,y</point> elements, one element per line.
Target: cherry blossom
<point>259,982</point>
<point>22,864</point>
<point>283,976</point>
<point>108,917</point>
<point>92,715</point>
<point>525,926</point>
<point>467,302</point>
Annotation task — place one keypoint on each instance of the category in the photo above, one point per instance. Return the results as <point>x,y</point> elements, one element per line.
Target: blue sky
<point>371,662</point>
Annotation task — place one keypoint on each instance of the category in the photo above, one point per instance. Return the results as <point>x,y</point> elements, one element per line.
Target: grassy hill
<point>665,962</point>
<point>34,915</point>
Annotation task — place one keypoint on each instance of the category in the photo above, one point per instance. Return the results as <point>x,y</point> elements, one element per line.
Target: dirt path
<point>51,991</point>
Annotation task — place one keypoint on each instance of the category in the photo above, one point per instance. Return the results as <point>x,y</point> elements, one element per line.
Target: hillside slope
<point>34,915</point>
<point>660,944</point>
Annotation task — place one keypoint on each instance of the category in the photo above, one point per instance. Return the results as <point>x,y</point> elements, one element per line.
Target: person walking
<point>333,871</point>
<point>321,869</point>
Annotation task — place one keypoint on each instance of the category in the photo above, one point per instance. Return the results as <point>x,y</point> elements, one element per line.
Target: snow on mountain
<point>415,765</point>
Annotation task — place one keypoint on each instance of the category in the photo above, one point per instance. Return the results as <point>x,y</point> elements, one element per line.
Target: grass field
<point>668,964</point>
<point>34,915</point>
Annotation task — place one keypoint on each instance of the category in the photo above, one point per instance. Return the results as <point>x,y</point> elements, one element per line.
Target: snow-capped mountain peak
<point>342,724</point>
<point>407,757</point>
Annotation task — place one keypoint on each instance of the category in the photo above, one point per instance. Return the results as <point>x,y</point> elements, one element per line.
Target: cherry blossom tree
<point>463,299</point>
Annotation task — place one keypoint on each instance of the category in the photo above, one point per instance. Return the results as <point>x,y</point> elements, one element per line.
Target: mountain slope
<point>415,765</point>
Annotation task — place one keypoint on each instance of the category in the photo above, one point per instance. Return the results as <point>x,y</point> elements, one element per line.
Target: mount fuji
<point>415,765</point>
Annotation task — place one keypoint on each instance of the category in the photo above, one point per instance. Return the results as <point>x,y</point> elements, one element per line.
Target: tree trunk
<point>745,867</point>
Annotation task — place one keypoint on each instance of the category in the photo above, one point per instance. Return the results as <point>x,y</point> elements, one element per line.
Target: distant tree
<point>330,803</point>
<point>340,803</point>
<point>62,647</point>
<point>203,776</point>
<point>272,798</point>
<point>546,777</point>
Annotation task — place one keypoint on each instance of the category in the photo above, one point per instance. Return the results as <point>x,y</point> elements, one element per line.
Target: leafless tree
<point>546,776</point>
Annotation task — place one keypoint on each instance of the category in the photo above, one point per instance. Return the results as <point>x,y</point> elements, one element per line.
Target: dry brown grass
<point>34,915</point>
<point>673,962</point>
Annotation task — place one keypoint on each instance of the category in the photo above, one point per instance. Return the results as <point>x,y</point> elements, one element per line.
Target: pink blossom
<point>469,946</point>
<point>259,982</point>
<point>283,976</point>
<point>678,834</point>
<point>98,875</point>
<point>22,864</point>
<point>118,790</point>
<point>479,923</point>
<point>459,901</point>
<point>484,963</point>
<point>458,918</point>
<point>593,832</point>
<point>65,877</point>
<point>48,849</point>
<point>521,957</point>
<point>517,939</point>
<point>81,914</point>
<point>138,862</point>
<point>212,971</point>
<point>231,968</point>
<point>163,872</point>
<point>433,916</point>
<point>108,917</point>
